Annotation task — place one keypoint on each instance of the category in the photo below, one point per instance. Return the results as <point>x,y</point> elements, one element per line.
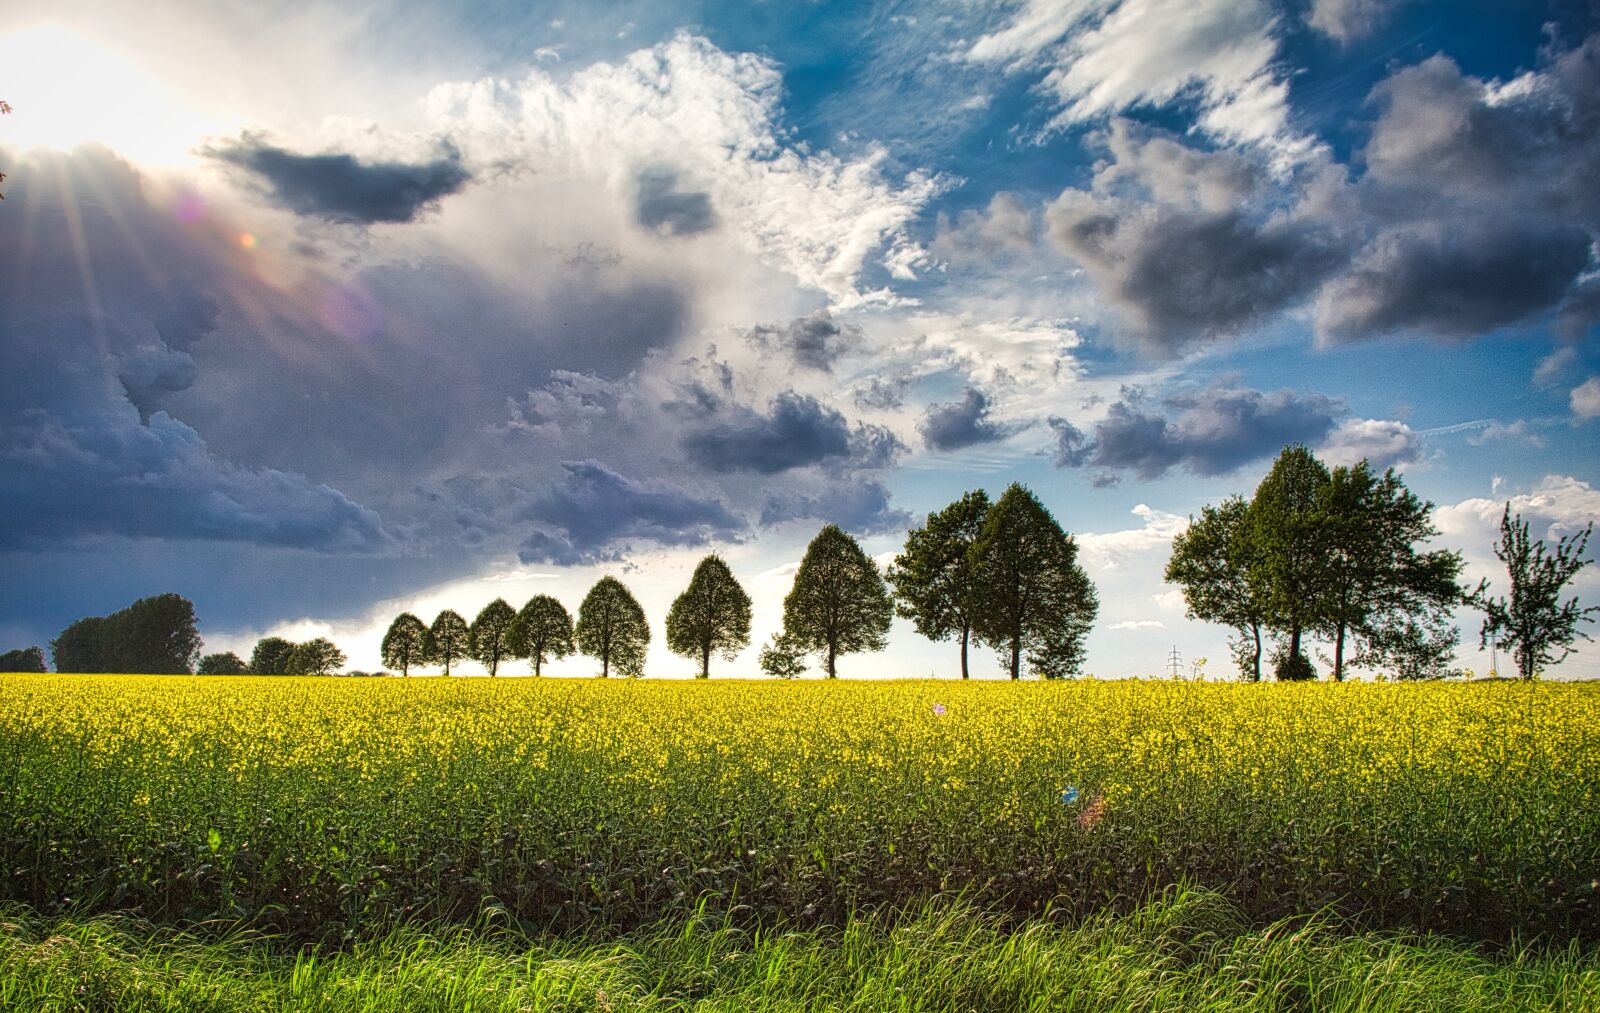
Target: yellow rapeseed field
<point>329,803</point>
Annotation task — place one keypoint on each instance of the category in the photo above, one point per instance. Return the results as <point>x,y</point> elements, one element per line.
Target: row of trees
<point>1003,574</point>
<point>153,635</point>
<point>1338,554</point>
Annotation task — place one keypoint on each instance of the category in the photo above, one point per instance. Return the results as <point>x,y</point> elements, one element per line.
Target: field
<point>348,813</point>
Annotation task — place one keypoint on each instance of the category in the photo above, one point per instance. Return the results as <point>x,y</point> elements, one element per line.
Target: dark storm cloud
<point>861,507</point>
<point>815,342</point>
<point>1211,433</point>
<point>88,449</point>
<point>662,207</point>
<point>338,188</point>
<point>591,513</point>
<point>798,432</point>
<point>963,423</point>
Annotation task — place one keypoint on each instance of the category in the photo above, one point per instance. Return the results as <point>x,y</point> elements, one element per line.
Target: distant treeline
<point>1336,554</point>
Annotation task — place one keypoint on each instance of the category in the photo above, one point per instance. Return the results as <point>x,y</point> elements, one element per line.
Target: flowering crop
<point>323,805</point>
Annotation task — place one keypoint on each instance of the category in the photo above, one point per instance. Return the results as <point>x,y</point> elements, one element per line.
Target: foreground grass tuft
<point>1189,951</point>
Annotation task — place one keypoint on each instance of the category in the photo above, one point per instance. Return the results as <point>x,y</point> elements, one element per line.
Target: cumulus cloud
<point>1585,399</point>
<point>339,188</point>
<point>962,423</point>
<point>798,432</point>
<point>1105,56</point>
<point>1109,550</point>
<point>861,507</point>
<point>1382,443</point>
<point>662,207</point>
<point>592,511</point>
<point>1004,228</point>
<point>1350,20</point>
<point>816,341</point>
<point>1210,433</point>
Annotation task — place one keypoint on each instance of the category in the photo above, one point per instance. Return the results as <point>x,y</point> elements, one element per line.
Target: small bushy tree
<point>271,656</point>
<point>448,639</point>
<point>226,663</point>
<point>315,657</point>
<point>838,604</point>
<point>1533,621</point>
<point>542,631</point>
<point>488,634</point>
<point>406,643</point>
<point>783,658</point>
<point>29,659</point>
<point>935,579</point>
<point>712,616</point>
<point>612,628</point>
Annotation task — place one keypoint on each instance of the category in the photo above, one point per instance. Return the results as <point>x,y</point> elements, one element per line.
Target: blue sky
<point>318,312</point>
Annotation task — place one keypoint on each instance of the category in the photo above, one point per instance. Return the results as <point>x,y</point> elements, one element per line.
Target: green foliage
<point>406,643</point>
<point>1290,564</point>
<point>935,579</point>
<point>612,627</point>
<point>448,639</point>
<point>838,604</point>
<point>542,631</point>
<point>28,659</point>
<point>271,656</point>
<point>1533,621</point>
<point>1034,601</point>
<point>783,658</point>
<point>1186,949</point>
<point>1214,561</point>
<point>315,657</point>
<point>156,635</point>
<point>487,637</point>
<point>227,663</point>
<point>711,616</point>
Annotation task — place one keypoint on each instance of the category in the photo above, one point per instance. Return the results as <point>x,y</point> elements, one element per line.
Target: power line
<point>1175,660</point>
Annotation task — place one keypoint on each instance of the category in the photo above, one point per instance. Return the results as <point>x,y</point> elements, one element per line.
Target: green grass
<point>1189,951</point>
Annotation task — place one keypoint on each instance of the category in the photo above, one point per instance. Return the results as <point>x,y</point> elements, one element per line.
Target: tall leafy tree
<point>1035,601</point>
<point>28,659</point>
<point>612,627</point>
<point>542,631</point>
<point>838,604</point>
<point>271,656</point>
<point>448,639</point>
<point>1375,581</point>
<point>487,642</point>
<point>1213,560</point>
<point>406,643</point>
<point>84,646</point>
<point>935,579</point>
<point>1533,621</point>
<point>320,656</point>
<point>226,663</point>
<point>155,635</point>
<point>1290,564</point>
<point>711,616</point>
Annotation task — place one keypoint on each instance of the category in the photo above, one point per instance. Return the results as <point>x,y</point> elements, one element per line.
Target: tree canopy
<point>226,663</point>
<point>28,659</point>
<point>1213,560</point>
<point>405,644</point>
<point>271,656</point>
<point>782,658</point>
<point>935,579</point>
<point>319,656</point>
<point>1533,621</point>
<point>156,635</point>
<point>1290,563</point>
<point>1035,602</point>
<point>488,634</point>
<point>838,604</point>
<point>542,631</point>
<point>711,616</point>
<point>612,628</point>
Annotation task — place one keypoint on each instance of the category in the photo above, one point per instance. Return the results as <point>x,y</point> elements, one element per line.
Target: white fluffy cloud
<point>1586,398</point>
<point>1384,443</point>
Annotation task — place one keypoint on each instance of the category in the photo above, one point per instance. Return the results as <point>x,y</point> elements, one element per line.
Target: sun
<point>67,89</point>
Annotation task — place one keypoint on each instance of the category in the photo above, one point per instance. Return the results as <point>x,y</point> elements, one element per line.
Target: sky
<point>319,312</point>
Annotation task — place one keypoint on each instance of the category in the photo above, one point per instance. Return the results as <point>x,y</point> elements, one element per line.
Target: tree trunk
<point>1256,662</point>
<point>705,661</point>
<point>966,631</point>
<point>536,660</point>
<point>605,663</point>
<point>1016,657</point>
<point>1338,655</point>
<point>833,650</point>
<point>1294,646</point>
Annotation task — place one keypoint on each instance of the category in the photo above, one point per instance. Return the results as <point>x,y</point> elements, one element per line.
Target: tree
<point>29,659</point>
<point>1533,621</point>
<point>1376,586</point>
<point>712,616</point>
<point>934,579</point>
<point>448,639</point>
<point>271,656</point>
<point>1213,561</point>
<point>1290,564</point>
<point>1034,599</point>
<point>226,663</point>
<point>611,627</point>
<point>487,641</point>
<point>153,635</point>
<point>838,604</point>
<point>783,658</point>
<point>542,631</point>
<point>315,657</point>
<point>406,643</point>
